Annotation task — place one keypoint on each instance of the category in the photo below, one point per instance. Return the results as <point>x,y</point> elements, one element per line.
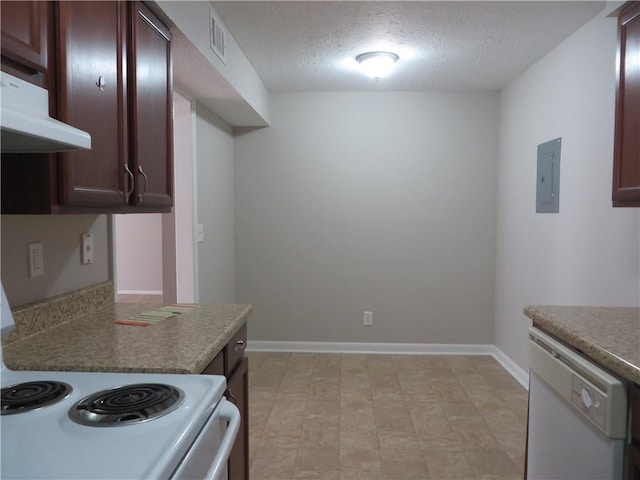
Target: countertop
<point>610,336</point>
<point>91,342</point>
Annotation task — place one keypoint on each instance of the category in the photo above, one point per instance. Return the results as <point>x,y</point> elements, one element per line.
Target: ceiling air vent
<point>217,34</point>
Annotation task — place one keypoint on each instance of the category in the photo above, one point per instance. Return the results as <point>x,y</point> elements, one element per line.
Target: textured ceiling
<point>312,45</point>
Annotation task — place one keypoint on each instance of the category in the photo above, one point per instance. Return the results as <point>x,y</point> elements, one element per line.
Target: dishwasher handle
<point>230,413</point>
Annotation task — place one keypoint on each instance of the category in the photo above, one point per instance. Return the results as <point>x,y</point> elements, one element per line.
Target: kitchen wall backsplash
<point>61,237</point>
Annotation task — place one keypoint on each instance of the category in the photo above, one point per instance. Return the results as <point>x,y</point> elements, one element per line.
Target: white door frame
<point>179,251</point>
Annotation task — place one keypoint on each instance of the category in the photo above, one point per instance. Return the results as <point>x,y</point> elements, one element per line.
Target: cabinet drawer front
<point>635,413</point>
<point>234,350</point>
<point>238,393</point>
<point>633,463</point>
<point>216,367</point>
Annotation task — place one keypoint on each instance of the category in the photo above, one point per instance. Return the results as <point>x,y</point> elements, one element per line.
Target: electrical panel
<point>548,177</point>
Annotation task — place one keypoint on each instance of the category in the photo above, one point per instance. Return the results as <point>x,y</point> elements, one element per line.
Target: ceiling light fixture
<point>377,64</point>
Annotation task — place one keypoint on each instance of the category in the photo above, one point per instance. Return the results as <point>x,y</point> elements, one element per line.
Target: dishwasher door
<point>577,415</point>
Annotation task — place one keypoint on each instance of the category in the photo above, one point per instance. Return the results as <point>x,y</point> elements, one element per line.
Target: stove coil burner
<point>24,397</point>
<point>127,405</point>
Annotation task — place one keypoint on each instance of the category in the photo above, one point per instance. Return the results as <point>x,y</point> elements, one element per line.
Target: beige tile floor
<point>384,417</point>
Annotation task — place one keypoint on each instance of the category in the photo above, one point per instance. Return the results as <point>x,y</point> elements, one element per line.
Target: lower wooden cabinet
<point>633,463</point>
<point>238,393</point>
<point>216,367</point>
<point>232,363</point>
<point>633,448</point>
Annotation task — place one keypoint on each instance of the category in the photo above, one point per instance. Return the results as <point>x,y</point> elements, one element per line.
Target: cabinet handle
<point>146,180</point>
<point>101,83</point>
<point>240,345</point>
<point>128,193</point>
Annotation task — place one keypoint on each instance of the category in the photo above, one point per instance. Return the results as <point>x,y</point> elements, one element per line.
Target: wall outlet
<point>367,319</point>
<point>36,259</point>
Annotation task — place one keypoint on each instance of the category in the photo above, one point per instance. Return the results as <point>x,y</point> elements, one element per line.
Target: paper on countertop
<point>178,308</point>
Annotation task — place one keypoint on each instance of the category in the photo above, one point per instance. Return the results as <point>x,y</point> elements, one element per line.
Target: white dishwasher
<point>577,415</point>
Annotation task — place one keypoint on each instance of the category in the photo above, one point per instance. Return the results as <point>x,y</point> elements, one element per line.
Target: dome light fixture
<point>377,64</point>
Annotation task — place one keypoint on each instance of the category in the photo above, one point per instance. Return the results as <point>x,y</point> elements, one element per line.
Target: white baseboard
<point>373,348</point>
<point>395,348</point>
<point>521,376</point>
<point>139,292</point>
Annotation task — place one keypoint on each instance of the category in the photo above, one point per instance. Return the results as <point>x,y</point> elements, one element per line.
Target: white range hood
<point>26,124</point>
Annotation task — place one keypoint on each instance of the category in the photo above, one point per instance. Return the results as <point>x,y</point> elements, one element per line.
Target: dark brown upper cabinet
<point>150,108</point>
<point>114,80</point>
<point>25,39</point>
<point>626,165</point>
<point>92,96</point>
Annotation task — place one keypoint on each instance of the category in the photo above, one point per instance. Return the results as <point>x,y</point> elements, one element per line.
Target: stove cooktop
<point>45,442</point>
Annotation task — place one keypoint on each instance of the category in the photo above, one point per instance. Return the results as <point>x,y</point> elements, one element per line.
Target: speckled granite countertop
<point>610,336</point>
<point>91,342</point>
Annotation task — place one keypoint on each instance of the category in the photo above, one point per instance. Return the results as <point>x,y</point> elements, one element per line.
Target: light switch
<point>200,232</point>
<point>36,259</point>
<point>548,177</point>
<point>87,248</point>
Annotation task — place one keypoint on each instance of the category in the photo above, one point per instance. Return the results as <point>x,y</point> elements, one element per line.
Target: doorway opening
<point>155,255</point>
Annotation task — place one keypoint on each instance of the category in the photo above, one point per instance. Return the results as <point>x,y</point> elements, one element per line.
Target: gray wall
<point>61,238</point>
<point>588,253</point>
<point>369,201</point>
<point>214,149</point>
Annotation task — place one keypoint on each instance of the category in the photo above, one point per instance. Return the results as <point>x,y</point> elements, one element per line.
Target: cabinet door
<point>238,393</point>
<point>234,350</point>
<point>633,463</point>
<point>150,83</point>
<point>633,448</point>
<point>91,96</point>
<point>626,167</point>
<point>25,29</point>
